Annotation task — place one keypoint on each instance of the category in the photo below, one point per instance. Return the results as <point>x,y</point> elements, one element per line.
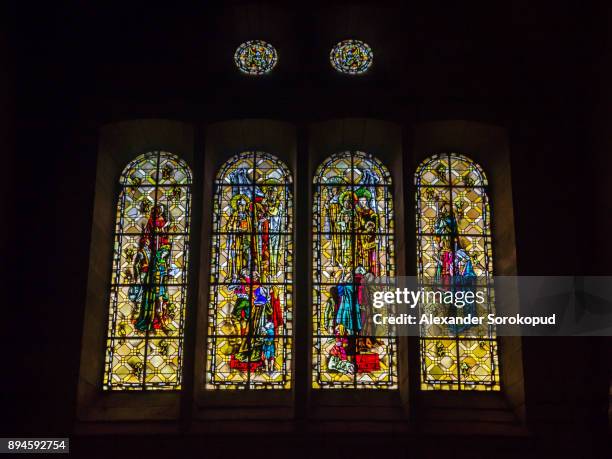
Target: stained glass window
<point>149,278</point>
<point>250,305</point>
<point>255,57</point>
<point>351,56</point>
<point>454,248</point>
<point>353,240</point>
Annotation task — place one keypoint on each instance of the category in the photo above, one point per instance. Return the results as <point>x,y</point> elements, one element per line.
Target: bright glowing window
<point>149,279</point>
<point>250,305</point>
<point>352,57</point>
<point>454,241</point>
<point>255,57</point>
<point>353,239</point>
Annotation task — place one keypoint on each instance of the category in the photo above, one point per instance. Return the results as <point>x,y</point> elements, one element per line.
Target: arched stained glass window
<point>149,277</point>
<point>250,306</point>
<point>353,240</point>
<point>454,243</point>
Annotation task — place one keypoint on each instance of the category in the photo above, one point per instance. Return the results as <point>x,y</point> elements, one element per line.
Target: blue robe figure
<point>464,281</point>
<point>348,314</point>
<point>466,269</point>
<point>445,224</point>
<point>268,349</point>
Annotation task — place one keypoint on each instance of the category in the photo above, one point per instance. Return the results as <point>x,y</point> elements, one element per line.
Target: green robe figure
<point>151,272</point>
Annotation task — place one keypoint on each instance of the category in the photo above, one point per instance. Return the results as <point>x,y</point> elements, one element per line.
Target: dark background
<point>543,70</point>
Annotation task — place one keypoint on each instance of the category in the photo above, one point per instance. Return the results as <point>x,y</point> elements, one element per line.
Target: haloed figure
<point>269,212</point>
<point>367,221</point>
<point>275,211</point>
<point>341,214</point>
<point>239,227</point>
<point>151,266</point>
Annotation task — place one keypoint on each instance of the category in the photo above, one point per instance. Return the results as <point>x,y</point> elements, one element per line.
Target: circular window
<point>351,56</point>
<point>255,57</point>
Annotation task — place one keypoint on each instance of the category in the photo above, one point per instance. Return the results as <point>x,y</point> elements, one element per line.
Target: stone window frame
<point>501,412</point>
<point>118,145</point>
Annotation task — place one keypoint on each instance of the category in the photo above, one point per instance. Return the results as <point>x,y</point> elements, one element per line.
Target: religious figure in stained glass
<point>151,272</point>
<point>149,280</point>
<point>454,252</point>
<point>367,222</point>
<point>249,342</point>
<point>353,242</point>
<point>239,230</point>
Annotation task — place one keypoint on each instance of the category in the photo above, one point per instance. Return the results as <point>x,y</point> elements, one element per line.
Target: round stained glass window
<point>351,56</point>
<point>255,57</point>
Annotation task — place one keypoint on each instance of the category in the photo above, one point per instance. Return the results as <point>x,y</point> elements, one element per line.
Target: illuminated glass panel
<point>255,57</point>
<point>353,239</point>
<point>351,56</point>
<point>149,279</point>
<point>454,242</point>
<point>250,304</point>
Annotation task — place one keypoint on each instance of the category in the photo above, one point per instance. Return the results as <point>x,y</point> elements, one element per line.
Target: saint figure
<point>151,266</point>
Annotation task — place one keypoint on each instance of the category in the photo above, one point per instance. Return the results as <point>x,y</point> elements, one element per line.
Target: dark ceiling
<point>178,60</point>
